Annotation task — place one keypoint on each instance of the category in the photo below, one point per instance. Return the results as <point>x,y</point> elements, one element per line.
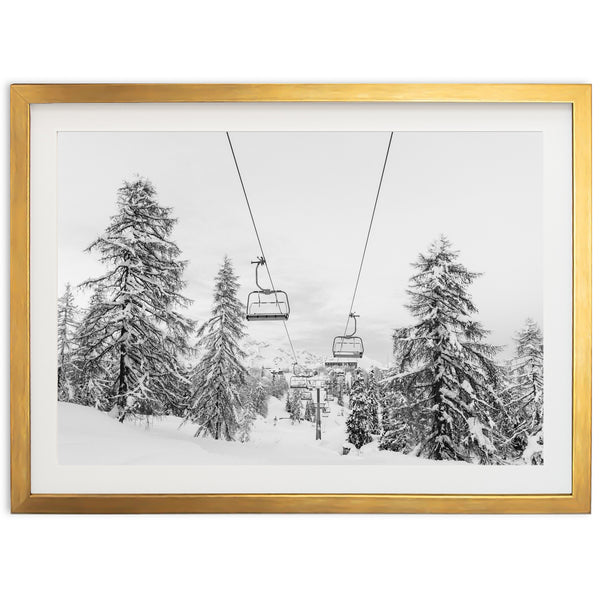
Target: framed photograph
<point>301,298</point>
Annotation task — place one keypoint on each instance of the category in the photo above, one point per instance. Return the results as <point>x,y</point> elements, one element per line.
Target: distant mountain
<point>262,354</point>
<point>367,363</point>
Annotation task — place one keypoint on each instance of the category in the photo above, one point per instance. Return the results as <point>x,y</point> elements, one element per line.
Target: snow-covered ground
<point>89,437</point>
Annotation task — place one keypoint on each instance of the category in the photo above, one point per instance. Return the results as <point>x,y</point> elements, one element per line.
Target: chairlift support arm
<point>353,316</point>
<point>260,262</point>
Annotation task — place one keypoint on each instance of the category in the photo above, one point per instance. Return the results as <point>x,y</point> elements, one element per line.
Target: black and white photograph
<point>300,298</point>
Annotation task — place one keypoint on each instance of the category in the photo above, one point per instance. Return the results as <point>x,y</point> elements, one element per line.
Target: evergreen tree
<point>525,390</point>
<point>93,369</point>
<point>257,392</point>
<point>295,406</point>
<point>400,426</point>
<point>277,387</point>
<point>444,367</point>
<point>288,402</point>
<point>359,422</point>
<point>340,389</point>
<point>220,375</point>
<point>254,403</point>
<point>372,397</point>
<point>67,323</point>
<point>310,411</point>
<point>137,327</point>
<point>246,421</point>
<point>180,400</point>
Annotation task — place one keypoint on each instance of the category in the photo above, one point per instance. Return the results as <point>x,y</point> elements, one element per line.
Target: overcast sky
<point>312,196</point>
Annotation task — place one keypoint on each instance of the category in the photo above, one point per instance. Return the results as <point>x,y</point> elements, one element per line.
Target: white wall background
<point>292,556</point>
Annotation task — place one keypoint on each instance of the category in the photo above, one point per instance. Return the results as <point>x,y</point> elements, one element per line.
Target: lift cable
<point>362,260</point>
<point>258,238</point>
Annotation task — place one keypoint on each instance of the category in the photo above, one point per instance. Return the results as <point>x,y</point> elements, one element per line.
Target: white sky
<point>312,196</point>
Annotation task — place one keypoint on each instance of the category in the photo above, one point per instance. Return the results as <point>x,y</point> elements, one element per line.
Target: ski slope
<point>87,436</point>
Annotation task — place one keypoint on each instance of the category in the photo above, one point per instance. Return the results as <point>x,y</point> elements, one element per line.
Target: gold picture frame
<point>23,501</point>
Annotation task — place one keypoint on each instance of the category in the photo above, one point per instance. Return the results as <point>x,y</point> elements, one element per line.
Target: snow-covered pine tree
<point>257,391</point>
<point>288,402</point>
<point>310,411</point>
<point>337,388</point>
<point>525,392</point>
<point>247,418</point>
<point>254,403</point>
<point>277,387</point>
<point>220,374</point>
<point>180,400</point>
<point>137,327</point>
<point>373,400</point>
<point>93,370</point>
<point>67,324</point>
<point>445,368</point>
<point>359,421</point>
<point>400,426</point>
<point>402,422</point>
<point>295,406</point>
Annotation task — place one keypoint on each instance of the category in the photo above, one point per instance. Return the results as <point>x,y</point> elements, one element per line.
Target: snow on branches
<point>220,375</point>
<point>445,398</point>
<point>133,331</point>
<point>66,345</point>
<point>445,380</point>
<point>524,394</point>
<point>359,424</point>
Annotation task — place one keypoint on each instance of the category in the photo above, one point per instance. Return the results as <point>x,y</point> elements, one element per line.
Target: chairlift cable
<point>258,237</point>
<point>362,260</point>
<point>287,333</point>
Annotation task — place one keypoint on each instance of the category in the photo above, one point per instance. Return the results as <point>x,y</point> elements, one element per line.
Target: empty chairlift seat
<point>348,345</point>
<point>300,379</point>
<point>341,364</point>
<point>299,382</point>
<point>265,304</point>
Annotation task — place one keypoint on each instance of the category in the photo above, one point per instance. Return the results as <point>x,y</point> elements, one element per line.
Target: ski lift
<point>265,304</point>
<point>276,374</point>
<point>339,365</point>
<point>300,380</point>
<point>348,345</point>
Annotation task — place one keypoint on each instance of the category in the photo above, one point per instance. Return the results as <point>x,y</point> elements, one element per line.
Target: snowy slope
<point>87,436</point>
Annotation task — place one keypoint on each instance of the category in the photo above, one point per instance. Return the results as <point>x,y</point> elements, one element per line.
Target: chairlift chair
<point>299,380</point>
<point>265,304</point>
<point>276,374</point>
<point>341,365</point>
<point>348,345</point>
